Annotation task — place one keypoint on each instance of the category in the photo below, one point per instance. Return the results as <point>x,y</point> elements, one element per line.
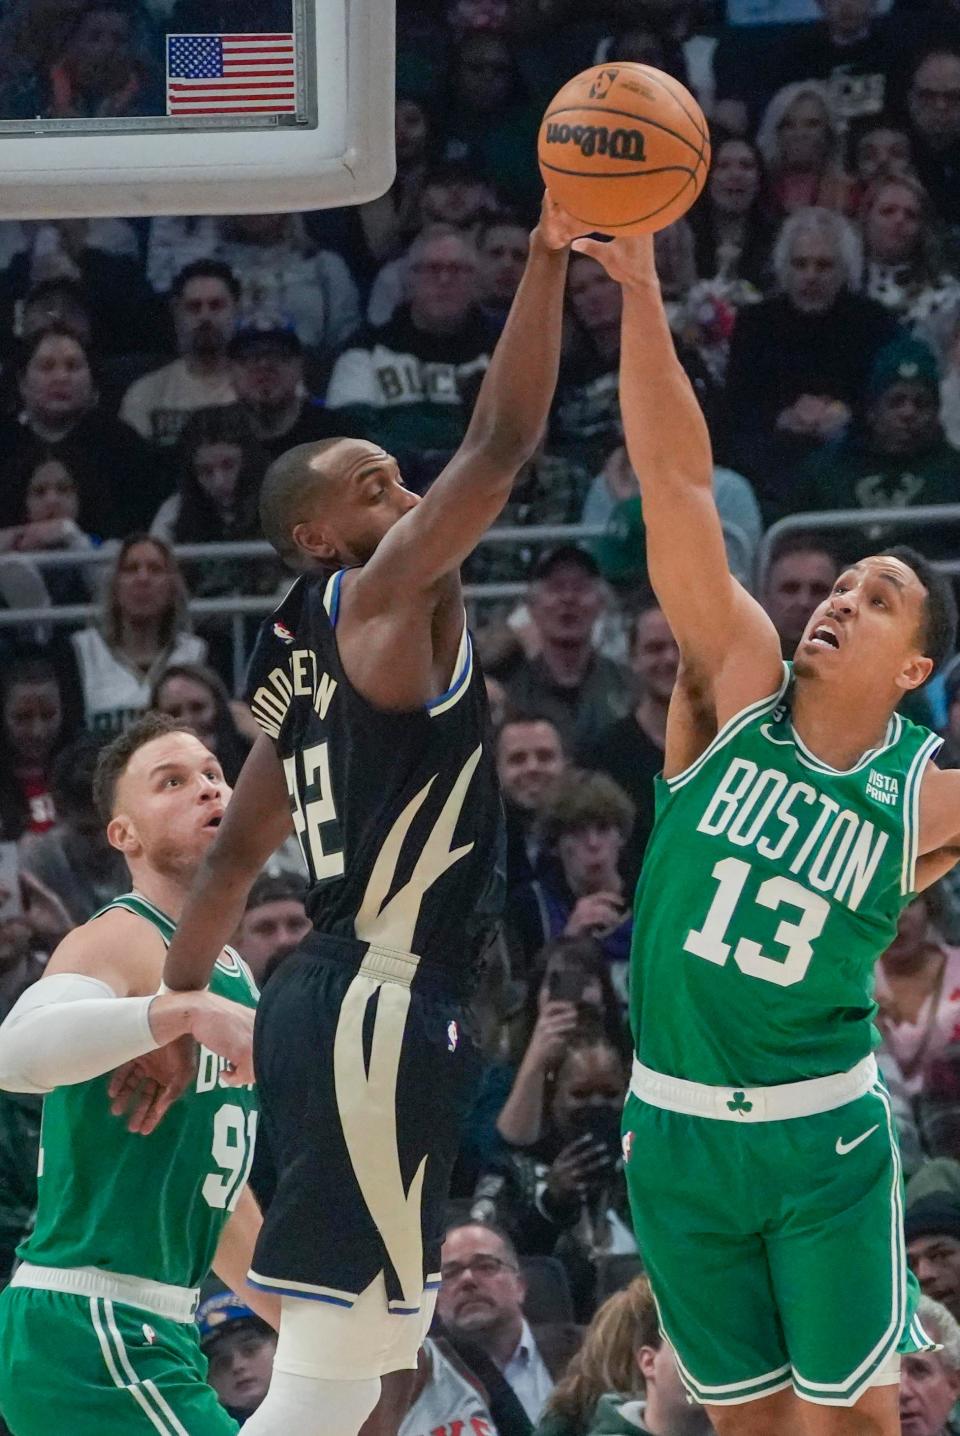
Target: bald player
<point>376,738</point>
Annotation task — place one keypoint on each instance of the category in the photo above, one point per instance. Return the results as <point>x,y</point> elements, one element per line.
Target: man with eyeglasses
<point>481,1300</point>
<point>933,102</point>
<point>409,384</point>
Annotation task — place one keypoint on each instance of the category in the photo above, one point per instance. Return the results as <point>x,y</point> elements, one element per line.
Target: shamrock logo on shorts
<point>740,1104</point>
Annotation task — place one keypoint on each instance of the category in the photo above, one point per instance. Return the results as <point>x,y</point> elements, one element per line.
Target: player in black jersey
<point>376,740</point>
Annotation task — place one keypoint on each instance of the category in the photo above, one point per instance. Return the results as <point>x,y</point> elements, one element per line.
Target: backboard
<point>293,111</point>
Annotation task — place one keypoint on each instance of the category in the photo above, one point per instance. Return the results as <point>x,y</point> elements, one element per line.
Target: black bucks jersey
<point>398,815</point>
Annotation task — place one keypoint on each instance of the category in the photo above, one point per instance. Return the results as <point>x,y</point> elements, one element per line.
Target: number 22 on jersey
<point>797,935</point>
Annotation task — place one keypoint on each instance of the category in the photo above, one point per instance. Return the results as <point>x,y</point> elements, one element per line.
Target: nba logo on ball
<point>453,1036</point>
<point>624,149</point>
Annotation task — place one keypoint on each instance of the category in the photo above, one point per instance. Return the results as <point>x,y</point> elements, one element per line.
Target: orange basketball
<point>624,148</point>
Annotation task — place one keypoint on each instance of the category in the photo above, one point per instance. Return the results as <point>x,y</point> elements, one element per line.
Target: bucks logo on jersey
<point>771,884</point>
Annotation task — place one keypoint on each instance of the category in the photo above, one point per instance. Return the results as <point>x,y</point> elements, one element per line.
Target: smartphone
<point>11,901</point>
<point>566,984</point>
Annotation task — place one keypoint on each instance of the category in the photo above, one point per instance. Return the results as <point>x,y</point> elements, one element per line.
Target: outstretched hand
<point>556,227</point>
<point>145,1089</point>
<point>628,259</point>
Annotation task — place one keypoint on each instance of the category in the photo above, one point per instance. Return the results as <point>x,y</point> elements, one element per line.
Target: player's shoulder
<point>118,946</point>
<point>939,808</point>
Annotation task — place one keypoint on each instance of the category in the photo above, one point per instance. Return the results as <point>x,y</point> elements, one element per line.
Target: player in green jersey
<point>796,815</point>
<point>96,1328</point>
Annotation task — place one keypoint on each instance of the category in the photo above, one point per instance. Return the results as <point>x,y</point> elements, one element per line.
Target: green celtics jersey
<point>151,1206</point>
<point>770,886</point>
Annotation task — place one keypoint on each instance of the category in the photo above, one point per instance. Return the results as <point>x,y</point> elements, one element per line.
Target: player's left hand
<point>145,1089</point>
<point>556,227</point>
<point>629,259</point>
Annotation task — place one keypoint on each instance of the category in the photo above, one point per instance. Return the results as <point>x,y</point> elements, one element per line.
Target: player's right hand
<point>145,1089</point>
<point>226,1028</point>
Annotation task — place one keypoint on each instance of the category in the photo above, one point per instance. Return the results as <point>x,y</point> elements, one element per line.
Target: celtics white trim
<point>145,1393</point>
<point>735,1392</point>
<point>911,812</point>
<point>809,759</point>
<point>849,1391</point>
<point>730,729</point>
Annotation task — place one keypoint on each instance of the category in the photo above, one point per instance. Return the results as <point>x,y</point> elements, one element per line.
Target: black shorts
<point>366,1073</point>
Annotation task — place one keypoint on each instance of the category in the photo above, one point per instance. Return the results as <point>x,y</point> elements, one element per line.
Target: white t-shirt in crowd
<point>159,404</point>
<point>447,1404</point>
<point>114,693</point>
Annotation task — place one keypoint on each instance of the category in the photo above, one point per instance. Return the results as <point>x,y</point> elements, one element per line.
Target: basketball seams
<point>639,218</point>
<point>626,114</point>
<point>654,78</point>
<point>689,171</point>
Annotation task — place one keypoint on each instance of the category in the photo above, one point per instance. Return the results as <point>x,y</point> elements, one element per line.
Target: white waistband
<point>753,1104</point>
<point>177,1303</point>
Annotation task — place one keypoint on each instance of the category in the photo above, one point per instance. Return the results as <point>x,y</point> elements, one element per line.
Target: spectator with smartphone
<point>585,826</point>
<point>564,1194</point>
<point>569,988</point>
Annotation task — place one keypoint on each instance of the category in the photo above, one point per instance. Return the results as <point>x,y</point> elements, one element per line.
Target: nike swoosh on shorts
<point>844,1147</point>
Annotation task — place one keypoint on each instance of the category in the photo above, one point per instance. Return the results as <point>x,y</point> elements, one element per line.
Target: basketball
<point>624,148</point>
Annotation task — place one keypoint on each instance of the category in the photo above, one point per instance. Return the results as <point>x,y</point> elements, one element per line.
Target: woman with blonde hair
<point>144,626</point>
<point>800,142</point>
<point>623,1381</point>
<point>902,247</point>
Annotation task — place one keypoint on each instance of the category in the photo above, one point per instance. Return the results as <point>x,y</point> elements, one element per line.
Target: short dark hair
<point>283,887</point>
<point>494,1228</point>
<point>803,541</point>
<point>516,714</point>
<point>287,486</point>
<point>115,757</point>
<point>939,636</point>
<point>205,269</point>
<point>72,774</point>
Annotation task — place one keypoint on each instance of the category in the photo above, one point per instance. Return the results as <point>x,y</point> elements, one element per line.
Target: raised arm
<point>507,423</point>
<point>729,647</point>
<point>256,822</point>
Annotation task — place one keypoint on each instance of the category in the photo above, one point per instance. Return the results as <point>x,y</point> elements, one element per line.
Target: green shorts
<point>775,1249</point>
<point>89,1366</point>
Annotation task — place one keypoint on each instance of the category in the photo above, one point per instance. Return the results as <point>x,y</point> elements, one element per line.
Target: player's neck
<point>165,891</point>
<point>838,728</point>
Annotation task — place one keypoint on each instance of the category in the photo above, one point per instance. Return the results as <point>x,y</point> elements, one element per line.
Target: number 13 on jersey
<point>729,910</point>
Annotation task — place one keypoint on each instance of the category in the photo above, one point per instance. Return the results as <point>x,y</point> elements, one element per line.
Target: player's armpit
<point>234,1257</point>
<point>939,818</point>
<point>931,867</point>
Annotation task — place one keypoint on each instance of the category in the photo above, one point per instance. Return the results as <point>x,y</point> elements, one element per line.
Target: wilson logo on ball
<point>599,140</point>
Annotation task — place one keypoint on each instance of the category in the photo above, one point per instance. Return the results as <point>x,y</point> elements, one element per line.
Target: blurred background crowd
<point>150,372</point>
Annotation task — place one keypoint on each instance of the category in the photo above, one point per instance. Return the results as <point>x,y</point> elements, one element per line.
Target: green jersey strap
<point>229,960</point>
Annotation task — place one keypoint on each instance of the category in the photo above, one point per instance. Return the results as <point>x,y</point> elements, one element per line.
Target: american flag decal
<point>231,75</point>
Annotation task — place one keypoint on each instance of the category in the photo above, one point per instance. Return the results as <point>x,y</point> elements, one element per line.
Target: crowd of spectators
<point>150,371</point>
